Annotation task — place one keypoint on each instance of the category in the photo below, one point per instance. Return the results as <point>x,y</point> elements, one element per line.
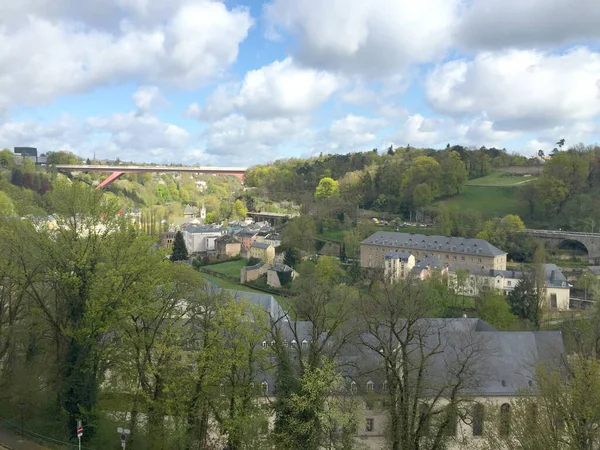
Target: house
<point>558,289</point>
<point>473,254</point>
<point>264,252</point>
<point>273,239</point>
<point>201,185</point>
<point>190,212</point>
<point>501,373</point>
<point>278,273</point>
<point>251,273</point>
<point>423,269</point>
<point>201,238</point>
<point>246,237</point>
<point>398,265</point>
<point>227,246</point>
<point>167,238</point>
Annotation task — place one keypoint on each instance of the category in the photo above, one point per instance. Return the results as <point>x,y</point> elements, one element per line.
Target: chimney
<point>552,276</point>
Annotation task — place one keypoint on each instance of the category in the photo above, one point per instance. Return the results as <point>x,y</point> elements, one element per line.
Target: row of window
<point>304,343</point>
<point>425,254</point>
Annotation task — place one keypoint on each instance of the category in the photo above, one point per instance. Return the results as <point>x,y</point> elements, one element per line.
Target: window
<point>353,387</point>
<point>447,256</point>
<point>265,388</point>
<point>369,405</point>
<point>272,343</point>
<point>385,386</point>
<point>221,390</point>
<point>264,344</point>
<point>504,420</point>
<point>454,258</point>
<point>478,419</point>
<point>304,344</point>
<point>285,343</point>
<point>503,383</point>
<point>553,300</point>
<point>478,260</point>
<point>532,415</point>
<point>452,417</point>
<point>370,386</point>
<point>470,259</point>
<point>462,258</point>
<point>293,342</point>
<point>509,283</point>
<point>370,425</point>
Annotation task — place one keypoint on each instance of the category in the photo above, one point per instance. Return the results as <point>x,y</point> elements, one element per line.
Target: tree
<point>300,232</point>
<point>7,208</point>
<point>422,195</point>
<point>61,157</point>
<point>495,310</point>
<point>239,209</point>
<point>405,343</point>
<point>561,143</point>
<point>7,159</point>
<point>327,188</point>
<point>524,300</point>
<point>587,281</point>
<point>180,252</point>
<point>500,231</point>
<point>552,193</point>
<point>291,257</point>
<point>454,174</point>
<point>562,413</point>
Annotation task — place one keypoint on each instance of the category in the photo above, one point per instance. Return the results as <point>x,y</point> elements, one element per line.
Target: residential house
<point>201,238</point>
<point>246,237</point>
<point>264,252</point>
<point>558,289</point>
<point>190,211</point>
<point>276,273</point>
<point>423,269</point>
<point>273,239</point>
<point>167,238</point>
<point>398,265</point>
<point>474,254</point>
<point>227,246</point>
<point>251,273</point>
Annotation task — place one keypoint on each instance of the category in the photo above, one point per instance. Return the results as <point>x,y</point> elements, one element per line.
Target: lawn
<point>229,268</point>
<point>499,179</point>
<point>490,201</point>
<point>226,284</point>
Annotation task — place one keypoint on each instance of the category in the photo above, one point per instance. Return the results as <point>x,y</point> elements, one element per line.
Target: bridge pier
<point>591,241</point>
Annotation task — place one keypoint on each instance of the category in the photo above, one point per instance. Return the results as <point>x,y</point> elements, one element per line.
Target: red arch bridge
<point>118,171</point>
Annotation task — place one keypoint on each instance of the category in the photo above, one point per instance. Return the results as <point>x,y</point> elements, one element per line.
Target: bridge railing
<point>561,233</point>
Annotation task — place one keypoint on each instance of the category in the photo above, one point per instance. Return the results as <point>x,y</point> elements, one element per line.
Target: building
<point>251,273</point>
<point>558,289</point>
<point>227,246</point>
<point>424,268</point>
<point>273,239</point>
<point>502,371</point>
<point>167,238</point>
<point>201,238</point>
<point>246,237</point>
<point>27,152</point>
<point>398,265</point>
<point>474,254</point>
<point>190,211</point>
<point>264,252</point>
<point>278,273</point>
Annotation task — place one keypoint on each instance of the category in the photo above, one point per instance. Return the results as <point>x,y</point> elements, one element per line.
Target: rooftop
<point>398,255</point>
<point>435,243</point>
<point>260,245</point>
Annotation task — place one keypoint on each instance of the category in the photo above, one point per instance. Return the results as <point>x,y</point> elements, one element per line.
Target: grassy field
<point>499,179</point>
<point>226,284</point>
<point>489,201</point>
<point>229,268</point>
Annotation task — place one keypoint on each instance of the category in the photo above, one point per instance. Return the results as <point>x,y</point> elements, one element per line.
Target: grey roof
<point>554,277</point>
<point>594,269</point>
<point>227,239</point>
<point>278,267</point>
<point>398,255</point>
<point>203,229</point>
<point>246,233</point>
<point>433,262</point>
<point>190,209</point>
<point>260,245</point>
<point>436,243</point>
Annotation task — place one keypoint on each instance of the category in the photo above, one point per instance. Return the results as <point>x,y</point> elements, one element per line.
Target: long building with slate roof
<point>472,254</point>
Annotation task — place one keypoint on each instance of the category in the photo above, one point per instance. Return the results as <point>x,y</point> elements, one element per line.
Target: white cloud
<point>519,89</point>
<point>366,37</point>
<point>353,133</point>
<point>47,56</point>
<point>236,138</point>
<point>501,23</point>
<point>148,98</point>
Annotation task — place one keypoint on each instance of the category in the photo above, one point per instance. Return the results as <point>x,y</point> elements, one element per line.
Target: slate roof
<point>203,229</point>
<point>190,209</point>
<point>436,243</point>
<point>554,277</point>
<point>403,256</point>
<point>594,269</point>
<point>260,245</point>
<point>227,239</point>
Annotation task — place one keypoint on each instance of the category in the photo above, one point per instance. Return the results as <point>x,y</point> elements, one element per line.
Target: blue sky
<point>241,83</point>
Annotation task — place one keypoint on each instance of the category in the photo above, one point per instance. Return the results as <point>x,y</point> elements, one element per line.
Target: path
<point>12,441</point>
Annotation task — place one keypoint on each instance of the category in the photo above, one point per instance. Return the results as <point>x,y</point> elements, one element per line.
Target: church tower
<point>203,212</point>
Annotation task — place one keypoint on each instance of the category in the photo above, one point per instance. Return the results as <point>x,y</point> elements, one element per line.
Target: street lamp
<point>22,407</point>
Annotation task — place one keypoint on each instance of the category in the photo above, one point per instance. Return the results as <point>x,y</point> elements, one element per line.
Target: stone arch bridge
<point>591,241</point>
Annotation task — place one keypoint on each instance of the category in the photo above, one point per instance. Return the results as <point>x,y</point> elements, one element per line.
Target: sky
<point>240,83</point>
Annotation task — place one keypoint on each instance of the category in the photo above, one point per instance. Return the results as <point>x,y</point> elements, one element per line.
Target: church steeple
<point>203,211</point>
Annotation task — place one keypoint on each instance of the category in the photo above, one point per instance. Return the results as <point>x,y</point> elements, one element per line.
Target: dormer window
<point>304,344</point>
<point>293,342</point>
<point>264,344</point>
<point>265,388</point>
<point>353,387</point>
<point>272,343</point>
<point>221,390</point>
<point>370,386</point>
<point>285,343</point>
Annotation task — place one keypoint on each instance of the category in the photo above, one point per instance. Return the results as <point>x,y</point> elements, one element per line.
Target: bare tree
<point>427,365</point>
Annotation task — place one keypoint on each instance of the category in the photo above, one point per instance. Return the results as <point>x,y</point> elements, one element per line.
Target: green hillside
<point>500,179</point>
<point>490,201</point>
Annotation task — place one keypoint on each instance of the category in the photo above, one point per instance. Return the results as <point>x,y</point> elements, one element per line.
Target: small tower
<point>203,212</point>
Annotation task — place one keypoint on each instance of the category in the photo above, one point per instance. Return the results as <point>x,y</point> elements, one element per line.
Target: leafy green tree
<point>454,174</point>
<point>61,157</point>
<point>500,231</point>
<point>239,209</point>
<point>524,300</point>
<point>552,193</point>
<point>7,208</point>
<point>180,252</point>
<point>422,195</point>
<point>327,188</point>
<point>300,232</point>
<point>7,159</point>
<point>291,257</point>
<point>562,413</point>
<point>587,281</point>
<point>495,310</point>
